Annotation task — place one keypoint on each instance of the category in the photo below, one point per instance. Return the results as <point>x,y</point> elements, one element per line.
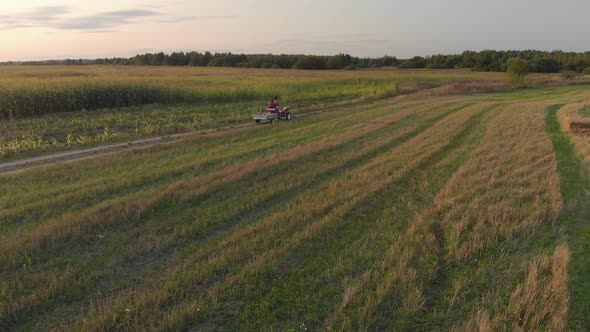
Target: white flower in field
<point>127,309</point>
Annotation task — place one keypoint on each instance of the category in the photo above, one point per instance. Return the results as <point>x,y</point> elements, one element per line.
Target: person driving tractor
<point>274,111</point>
<point>271,107</point>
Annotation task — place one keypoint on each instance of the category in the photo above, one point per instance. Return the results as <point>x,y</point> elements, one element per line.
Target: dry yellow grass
<point>509,190</point>
<point>508,187</point>
<point>541,301</point>
<point>411,250</point>
<point>33,76</point>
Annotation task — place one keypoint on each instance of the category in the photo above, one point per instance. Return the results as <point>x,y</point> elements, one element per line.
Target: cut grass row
<point>339,253</point>
<point>496,217</point>
<point>571,151</point>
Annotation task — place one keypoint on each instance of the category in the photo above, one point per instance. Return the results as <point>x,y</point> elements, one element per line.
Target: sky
<point>58,29</point>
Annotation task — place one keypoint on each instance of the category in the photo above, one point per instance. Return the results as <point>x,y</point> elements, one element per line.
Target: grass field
<point>426,211</point>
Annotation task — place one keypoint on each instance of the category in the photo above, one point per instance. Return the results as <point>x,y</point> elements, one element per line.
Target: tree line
<point>487,60</point>
<point>285,61</point>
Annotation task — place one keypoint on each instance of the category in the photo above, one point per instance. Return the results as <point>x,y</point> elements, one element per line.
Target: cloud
<point>372,41</point>
<point>38,17</point>
<point>336,41</point>
<point>103,21</point>
<point>60,18</point>
<point>45,13</point>
<point>176,19</point>
<point>306,42</point>
<point>192,18</point>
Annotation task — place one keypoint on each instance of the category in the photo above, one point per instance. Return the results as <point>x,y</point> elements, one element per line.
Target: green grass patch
<point>575,217</point>
<point>585,112</point>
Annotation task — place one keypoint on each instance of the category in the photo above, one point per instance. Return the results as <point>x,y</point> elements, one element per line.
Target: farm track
<point>103,150</point>
<point>16,166</point>
<point>443,213</point>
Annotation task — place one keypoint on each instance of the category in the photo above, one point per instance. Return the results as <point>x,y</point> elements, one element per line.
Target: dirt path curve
<point>16,166</point>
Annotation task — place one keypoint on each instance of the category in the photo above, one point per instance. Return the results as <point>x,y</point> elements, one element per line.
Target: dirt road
<point>94,152</point>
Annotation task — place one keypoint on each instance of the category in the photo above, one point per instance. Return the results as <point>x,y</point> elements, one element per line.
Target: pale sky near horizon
<point>58,29</point>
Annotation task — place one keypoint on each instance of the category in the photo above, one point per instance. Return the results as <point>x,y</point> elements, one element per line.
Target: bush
<point>310,62</point>
<point>569,75</point>
<point>518,69</point>
<point>586,71</point>
<point>413,63</point>
<point>437,66</point>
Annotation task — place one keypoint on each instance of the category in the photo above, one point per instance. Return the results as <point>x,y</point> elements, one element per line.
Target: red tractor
<point>273,114</point>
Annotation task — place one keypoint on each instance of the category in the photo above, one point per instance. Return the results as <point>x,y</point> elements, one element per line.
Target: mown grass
<point>430,213</point>
<point>574,186</point>
<point>342,249</point>
<point>173,163</point>
<point>491,215</point>
<point>296,224</point>
<point>275,151</point>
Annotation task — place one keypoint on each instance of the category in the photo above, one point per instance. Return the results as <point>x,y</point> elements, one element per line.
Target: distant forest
<point>489,60</point>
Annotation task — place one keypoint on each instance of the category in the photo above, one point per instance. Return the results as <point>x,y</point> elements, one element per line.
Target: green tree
<point>518,69</point>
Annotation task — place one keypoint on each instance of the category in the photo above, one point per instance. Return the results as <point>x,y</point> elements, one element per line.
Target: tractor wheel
<point>288,117</point>
<point>257,121</point>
